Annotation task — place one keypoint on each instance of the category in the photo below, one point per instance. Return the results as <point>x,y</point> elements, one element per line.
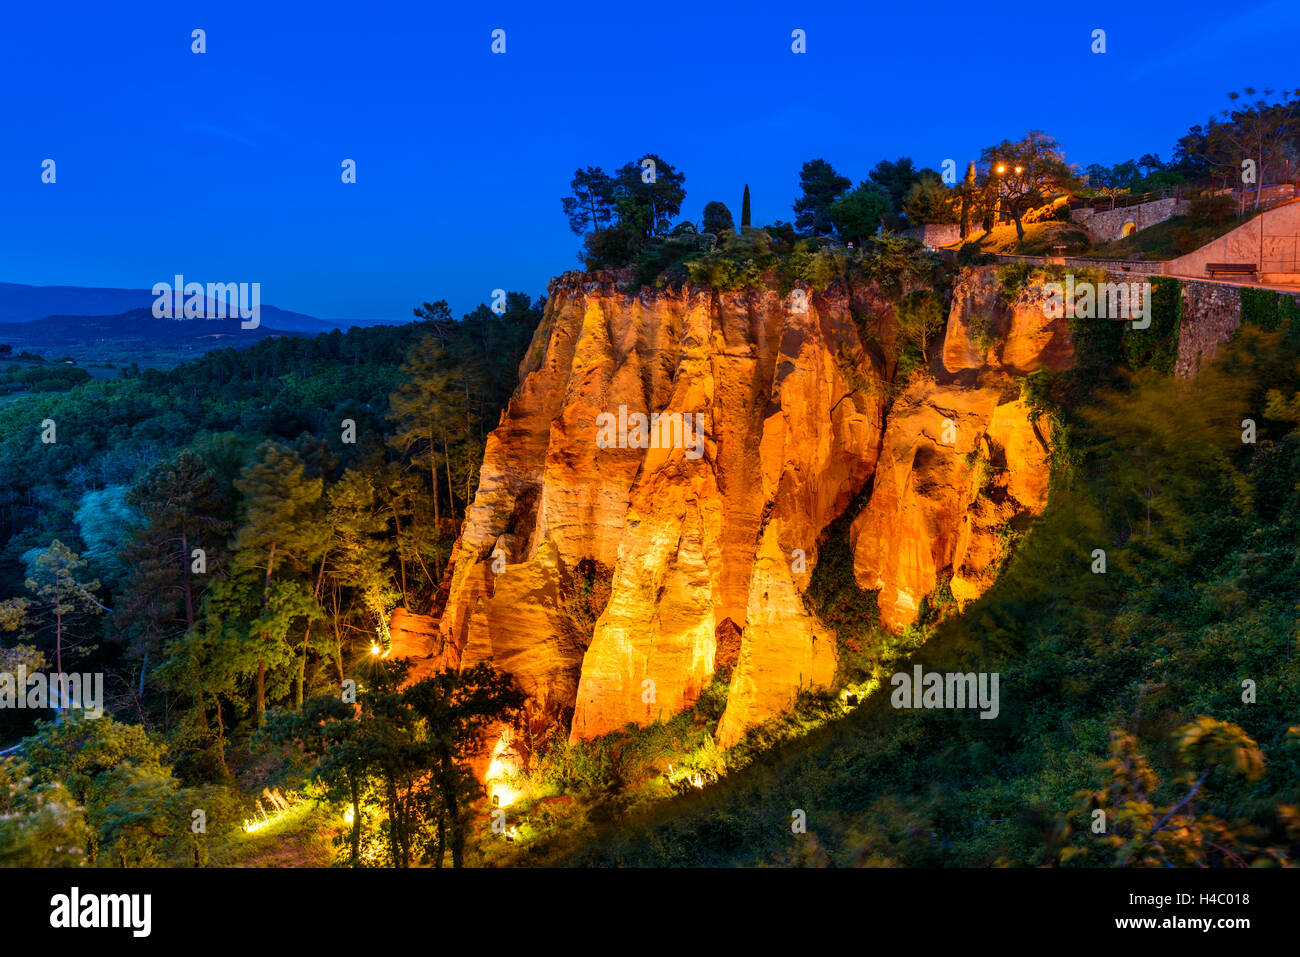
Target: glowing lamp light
<point>1020,169</point>
<point>1001,168</point>
<point>254,825</point>
<point>348,817</point>
<point>501,766</point>
<point>374,649</point>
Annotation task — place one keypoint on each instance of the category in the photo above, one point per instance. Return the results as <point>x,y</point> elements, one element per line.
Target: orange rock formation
<point>707,541</point>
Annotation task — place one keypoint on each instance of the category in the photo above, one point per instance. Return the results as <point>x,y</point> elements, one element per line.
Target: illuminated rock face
<point>695,535</point>
<point>961,460</point>
<point>715,532</point>
<point>986,334</point>
<point>958,466</point>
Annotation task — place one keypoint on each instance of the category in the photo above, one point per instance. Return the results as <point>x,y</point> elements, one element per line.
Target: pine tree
<point>281,533</point>
<point>181,508</point>
<point>422,408</point>
<point>457,708</point>
<point>52,580</point>
<point>358,562</point>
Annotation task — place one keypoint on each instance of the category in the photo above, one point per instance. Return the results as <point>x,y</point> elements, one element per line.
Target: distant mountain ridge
<point>136,332</point>
<point>22,303</point>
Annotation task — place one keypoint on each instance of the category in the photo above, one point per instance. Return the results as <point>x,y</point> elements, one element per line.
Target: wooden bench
<point>1231,269</point>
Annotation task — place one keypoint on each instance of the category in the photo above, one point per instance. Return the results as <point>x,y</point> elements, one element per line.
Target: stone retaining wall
<point>1108,225</point>
<point>1211,315</point>
<point>934,235</point>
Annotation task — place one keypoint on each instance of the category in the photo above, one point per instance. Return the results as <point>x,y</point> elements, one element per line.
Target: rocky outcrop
<point>961,460</point>
<point>987,334</point>
<point>958,466</point>
<point>704,532</point>
<point>773,414</point>
<point>412,636</point>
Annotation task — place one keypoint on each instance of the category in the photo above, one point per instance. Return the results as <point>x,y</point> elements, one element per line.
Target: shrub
<point>609,248</point>
<point>583,597</point>
<point>970,254</point>
<point>1266,308</point>
<point>1157,346</point>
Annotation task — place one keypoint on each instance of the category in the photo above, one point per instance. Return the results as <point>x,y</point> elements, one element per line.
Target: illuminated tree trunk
<point>442,838</point>
<point>433,479</point>
<point>356,819</point>
<point>401,562</point>
<point>261,690</point>
<point>451,496</point>
<point>306,637</point>
<point>453,810</point>
<point>221,732</point>
<point>338,636</point>
<point>261,662</point>
<point>58,661</point>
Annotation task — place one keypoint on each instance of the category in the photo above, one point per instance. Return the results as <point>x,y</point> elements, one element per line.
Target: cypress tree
<point>744,210</point>
<point>967,198</point>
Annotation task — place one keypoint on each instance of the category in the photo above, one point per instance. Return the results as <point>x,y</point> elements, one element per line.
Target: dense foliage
<point>231,536</point>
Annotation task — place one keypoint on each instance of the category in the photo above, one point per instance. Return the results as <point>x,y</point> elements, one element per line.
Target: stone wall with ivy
<point>1268,309</point>
<point>1211,314</point>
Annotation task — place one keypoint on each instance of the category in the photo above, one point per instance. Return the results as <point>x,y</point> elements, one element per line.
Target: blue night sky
<point>226,166</point>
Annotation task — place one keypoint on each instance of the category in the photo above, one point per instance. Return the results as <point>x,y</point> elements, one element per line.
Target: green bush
<point>1267,309</point>
<point>610,248</point>
<point>970,254</point>
<point>1156,347</point>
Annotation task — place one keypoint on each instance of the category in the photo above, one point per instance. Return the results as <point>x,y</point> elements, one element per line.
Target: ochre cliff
<point>797,411</point>
<point>961,460</point>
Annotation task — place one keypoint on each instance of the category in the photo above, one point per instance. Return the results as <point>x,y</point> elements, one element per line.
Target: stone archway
<point>1129,229</point>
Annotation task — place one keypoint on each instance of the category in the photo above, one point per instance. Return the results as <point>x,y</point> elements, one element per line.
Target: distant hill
<point>21,303</point>
<point>134,336</point>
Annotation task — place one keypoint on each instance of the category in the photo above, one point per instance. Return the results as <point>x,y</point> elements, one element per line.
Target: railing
<point>1136,267</point>
<point>1123,200</point>
<point>1220,185</point>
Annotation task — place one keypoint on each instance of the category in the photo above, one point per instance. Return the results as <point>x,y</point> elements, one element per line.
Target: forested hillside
<point>233,534</point>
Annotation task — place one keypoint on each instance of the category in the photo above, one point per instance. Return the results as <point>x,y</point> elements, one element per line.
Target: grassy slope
<point>1039,240</point>
<point>1167,240</point>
